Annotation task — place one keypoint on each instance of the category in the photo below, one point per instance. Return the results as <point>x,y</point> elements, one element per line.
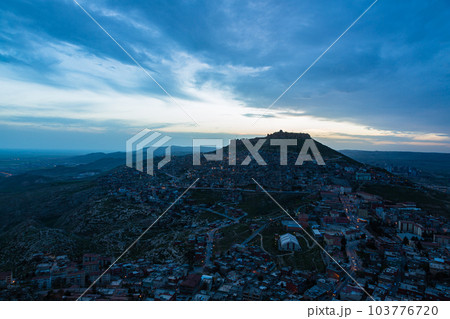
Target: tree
<point>189,255</point>
<point>419,245</point>
<point>371,244</point>
<point>343,243</point>
<point>405,241</point>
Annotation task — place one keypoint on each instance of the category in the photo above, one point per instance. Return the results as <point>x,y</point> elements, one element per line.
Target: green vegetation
<point>259,204</point>
<point>400,194</point>
<point>209,217</point>
<point>306,259</point>
<point>44,202</point>
<point>432,201</point>
<point>208,197</point>
<point>234,234</point>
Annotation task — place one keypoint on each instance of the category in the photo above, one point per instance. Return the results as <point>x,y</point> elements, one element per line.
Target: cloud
<point>253,115</point>
<point>225,63</point>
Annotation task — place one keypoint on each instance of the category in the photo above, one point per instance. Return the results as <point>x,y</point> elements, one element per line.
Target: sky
<point>219,65</point>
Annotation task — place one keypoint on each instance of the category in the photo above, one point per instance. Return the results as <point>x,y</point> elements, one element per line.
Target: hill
<point>425,168</point>
<point>66,210</point>
<point>324,150</point>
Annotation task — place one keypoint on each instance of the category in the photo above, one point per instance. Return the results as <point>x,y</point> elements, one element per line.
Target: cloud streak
<point>384,81</point>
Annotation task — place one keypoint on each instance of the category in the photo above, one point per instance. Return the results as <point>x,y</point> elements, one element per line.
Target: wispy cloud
<point>226,62</point>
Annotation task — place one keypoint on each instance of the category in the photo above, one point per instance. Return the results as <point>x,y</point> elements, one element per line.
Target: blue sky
<point>64,84</point>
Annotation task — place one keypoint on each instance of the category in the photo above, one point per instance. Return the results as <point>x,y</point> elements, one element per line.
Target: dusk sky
<point>64,84</point>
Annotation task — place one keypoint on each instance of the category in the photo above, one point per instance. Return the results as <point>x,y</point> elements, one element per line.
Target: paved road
<point>242,190</point>
<point>210,243</point>
<point>256,232</point>
<point>253,235</point>
<point>221,214</point>
<point>209,247</point>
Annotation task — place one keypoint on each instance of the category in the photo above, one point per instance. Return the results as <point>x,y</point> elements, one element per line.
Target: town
<point>227,240</point>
